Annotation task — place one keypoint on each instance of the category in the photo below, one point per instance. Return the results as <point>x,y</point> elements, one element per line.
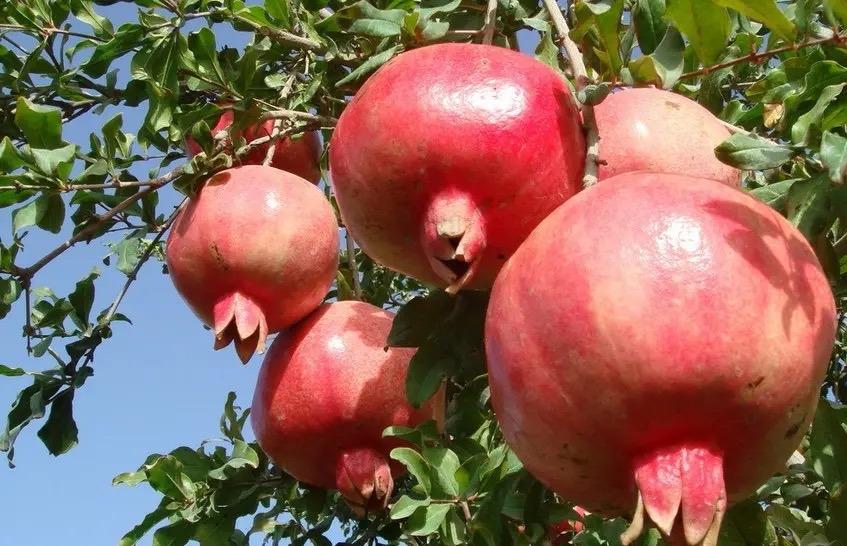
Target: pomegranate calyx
<point>453,238</point>
<point>681,486</point>
<point>238,318</point>
<point>363,477</point>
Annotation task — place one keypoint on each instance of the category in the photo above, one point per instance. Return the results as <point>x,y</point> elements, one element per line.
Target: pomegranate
<point>658,342</point>
<point>326,391</point>
<point>450,155</point>
<point>300,155</point>
<point>649,129</point>
<point>253,252</point>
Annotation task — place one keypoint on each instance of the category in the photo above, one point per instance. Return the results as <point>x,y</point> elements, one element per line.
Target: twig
<point>753,58</point>
<point>354,267</point>
<point>50,30</point>
<point>466,510</point>
<point>592,135</point>
<point>272,148</point>
<point>163,229</point>
<point>490,22</point>
<point>294,114</point>
<point>281,35</point>
<point>28,309</point>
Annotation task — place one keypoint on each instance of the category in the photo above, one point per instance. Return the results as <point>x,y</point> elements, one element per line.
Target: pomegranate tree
<point>253,252</point>
<point>652,130</point>
<point>659,341</point>
<point>326,391</point>
<point>300,155</point>
<point>449,155</point>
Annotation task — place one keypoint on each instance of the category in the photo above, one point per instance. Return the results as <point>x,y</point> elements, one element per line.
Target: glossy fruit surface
<point>653,356</point>
<point>448,157</point>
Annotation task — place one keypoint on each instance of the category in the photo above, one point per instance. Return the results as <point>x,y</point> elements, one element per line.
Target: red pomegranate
<point>660,336</point>
<point>652,130</point>
<point>253,252</point>
<point>326,392</point>
<point>300,155</point>
<point>450,155</point>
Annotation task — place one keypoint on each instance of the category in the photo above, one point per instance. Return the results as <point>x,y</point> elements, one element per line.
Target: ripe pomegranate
<point>300,156</point>
<point>326,391</point>
<point>649,129</point>
<point>450,155</point>
<point>659,338</point>
<point>253,252</point>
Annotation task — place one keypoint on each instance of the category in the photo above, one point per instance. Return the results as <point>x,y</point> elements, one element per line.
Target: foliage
<point>775,71</point>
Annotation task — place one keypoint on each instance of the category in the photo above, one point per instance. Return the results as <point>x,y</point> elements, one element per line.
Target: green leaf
<point>242,456</point>
<point>150,521</point>
<point>10,291</point>
<point>166,477</point>
<point>128,253</point>
<point>650,28</point>
<point>766,12</point>
<point>425,520</point>
<point>41,125</point>
<point>827,452</point>
<point>801,129</point>
<point>216,532</point>
<point>445,463</point>
<point>746,524</point>
<point>808,206</point>
<point>774,195</point>
<point>28,406</point>
<point>834,156</point>
<point>372,63</point>
<point>427,370</point>
<point>11,372</point>
<point>793,520</point>
<point>60,433</point>
<point>10,157</point>
<point>837,10</point>
<point>82,298</point>
<point>836,528</point>
<point>547,51</point>
<point>405,506</point>
<point>706,25</point>
<point>279,10</point>
<point>47,211</point>
<point>415,464</point>
<point>375,27</point>
<point>84,11</point>
<point>664,66</point>
<point>175,534</point>
<point>608,27</point>
<point>750,152</point>
<point>419,318</point>
<point>56,162</point>
<point>130,478</point>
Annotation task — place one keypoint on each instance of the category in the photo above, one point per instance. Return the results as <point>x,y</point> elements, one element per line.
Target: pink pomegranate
<point>652,130</point>
<point>326,392</point>
<point>450,154</point>
<point>300,155</point>
<point>658,342</point>
<point>253,252</point>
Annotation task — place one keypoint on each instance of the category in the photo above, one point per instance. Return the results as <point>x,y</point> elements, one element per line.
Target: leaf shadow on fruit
<point>754,239</point>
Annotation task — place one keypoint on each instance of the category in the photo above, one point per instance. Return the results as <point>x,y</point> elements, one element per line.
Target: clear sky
<point>157,385</point>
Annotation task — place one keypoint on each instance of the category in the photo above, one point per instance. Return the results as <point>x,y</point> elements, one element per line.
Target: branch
<point>592,136</point>
<point>107,318</point>
<point>755,58</point>
<point>281,35</point>
<point>47,31</point>
<point>305,116</point>
<point>354,267</point>
<point>490,22</point>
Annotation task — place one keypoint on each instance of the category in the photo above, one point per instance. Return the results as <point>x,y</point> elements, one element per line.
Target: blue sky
<point>157,385</point>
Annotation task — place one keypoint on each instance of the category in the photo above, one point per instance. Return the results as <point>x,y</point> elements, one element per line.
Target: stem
<point>50,30</point>
<point>305,116</point>
<point>354,267</point>
<point>281,35</point>
<point>490,22</point>
<point>754,58</point>
<point>592,135</point>
<point>272,148</point>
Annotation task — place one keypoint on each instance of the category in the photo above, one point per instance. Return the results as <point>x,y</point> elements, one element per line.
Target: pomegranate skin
<point>646,129</point>
<point>677,356</point>
<point>253,252</point>
<point>301,156</point>
<point>326,391</point>
<point>450,155</point>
